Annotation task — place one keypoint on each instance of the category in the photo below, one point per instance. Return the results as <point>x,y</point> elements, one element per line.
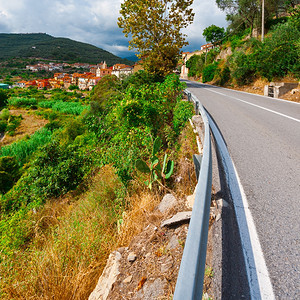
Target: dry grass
<point>185,177</point>
<point>71,245</point>
<point>139,215</point>
<point>29,125</point>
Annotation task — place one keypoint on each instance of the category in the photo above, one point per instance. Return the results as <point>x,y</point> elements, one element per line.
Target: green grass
<point>25,147</point>
<point>73,108</point>
<point>21,102</point>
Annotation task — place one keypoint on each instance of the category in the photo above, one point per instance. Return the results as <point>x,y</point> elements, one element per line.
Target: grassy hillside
<point>42,45</point>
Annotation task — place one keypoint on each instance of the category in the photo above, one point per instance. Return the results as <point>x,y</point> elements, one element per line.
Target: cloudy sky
<point>92,21</point>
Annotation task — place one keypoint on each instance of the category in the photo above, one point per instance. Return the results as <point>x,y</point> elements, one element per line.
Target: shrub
<point>3,98</point>
<point>102,93</point>
<point>222,74</point>
<point>242,67</point>
<point>73,87</point>
<point>182,112</point>
<point>195,65</point>
<point>209,72</point>
<point>73,129</point>
<point>3,126</point>
<point>141,78</point>
<point>279,54</point>
<point>55,170</point>
<point>5,114</point>
<point>9,173</point>
<point>211,55</point>
<point>13,123</point>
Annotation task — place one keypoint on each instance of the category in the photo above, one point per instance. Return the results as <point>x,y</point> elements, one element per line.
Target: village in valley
<point>63,80</point>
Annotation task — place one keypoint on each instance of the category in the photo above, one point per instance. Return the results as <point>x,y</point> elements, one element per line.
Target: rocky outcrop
<point>108,277</point>
<point>224,53</point>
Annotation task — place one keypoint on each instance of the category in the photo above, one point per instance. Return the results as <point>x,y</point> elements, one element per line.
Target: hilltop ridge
<point>42,45</point>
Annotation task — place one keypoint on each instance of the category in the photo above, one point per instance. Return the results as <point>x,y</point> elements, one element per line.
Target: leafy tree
<point>213,33</point>
<point>240,12</point>
<point>155,30</point>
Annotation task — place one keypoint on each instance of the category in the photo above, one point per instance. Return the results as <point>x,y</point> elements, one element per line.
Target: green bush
<point>13,123</point>
<point>141,78</point>
<point>9,173</point>
<point>279,54</point>
<point>3,126</point>
<point>55,170</point>
<point>3,98</point>
<point>182,112</point>
<point>211,55</point>
<point>222,74</point>
<point>150,105</point>
<point>103,94</point>
<point>209,72</point>
<point>242,67</point>
<point>5,114</point>
<point>195,65</point>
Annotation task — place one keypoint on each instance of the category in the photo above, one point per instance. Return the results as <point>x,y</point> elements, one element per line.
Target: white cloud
<point>91,21</point>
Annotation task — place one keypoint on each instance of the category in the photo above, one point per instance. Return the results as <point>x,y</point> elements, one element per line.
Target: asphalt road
<point>263,139</point>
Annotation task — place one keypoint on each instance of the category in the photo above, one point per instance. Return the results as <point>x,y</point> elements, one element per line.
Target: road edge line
<point>257,272</point>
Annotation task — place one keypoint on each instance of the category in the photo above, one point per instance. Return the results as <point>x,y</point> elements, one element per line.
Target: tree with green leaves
<point>241,12</point>
<point>214,34</point>
<point>155,30</point>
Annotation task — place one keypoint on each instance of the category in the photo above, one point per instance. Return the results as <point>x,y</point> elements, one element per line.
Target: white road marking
<point>269,110</point>
<point>265,286</point>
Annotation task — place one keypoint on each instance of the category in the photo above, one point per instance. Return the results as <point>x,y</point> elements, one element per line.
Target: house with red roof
<point>43,84</point>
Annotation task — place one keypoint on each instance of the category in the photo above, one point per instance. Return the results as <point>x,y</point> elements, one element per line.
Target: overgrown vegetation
<point>274,58</point>
<point>56,227</point>
<point>9,123</point>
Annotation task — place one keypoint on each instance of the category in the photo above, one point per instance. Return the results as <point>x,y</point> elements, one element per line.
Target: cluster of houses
<point>57,66</point>
<point>84,81</point>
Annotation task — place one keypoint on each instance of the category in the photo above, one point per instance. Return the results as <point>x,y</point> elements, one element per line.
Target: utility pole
<point>262,20</point>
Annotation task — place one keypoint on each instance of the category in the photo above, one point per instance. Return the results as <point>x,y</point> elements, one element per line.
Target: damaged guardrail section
<point>191,273</point>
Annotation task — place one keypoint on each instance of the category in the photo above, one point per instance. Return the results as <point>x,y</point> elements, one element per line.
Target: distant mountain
<point>42,45</point>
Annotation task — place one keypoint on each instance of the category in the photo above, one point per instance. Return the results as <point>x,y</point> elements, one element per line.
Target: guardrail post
<point>189,95</point>
<point>197,107</point>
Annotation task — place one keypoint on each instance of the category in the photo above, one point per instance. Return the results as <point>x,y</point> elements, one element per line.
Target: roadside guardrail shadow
<point>234,280</point>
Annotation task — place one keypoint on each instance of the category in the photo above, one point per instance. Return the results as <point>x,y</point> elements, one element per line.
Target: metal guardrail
<point>190,279</point>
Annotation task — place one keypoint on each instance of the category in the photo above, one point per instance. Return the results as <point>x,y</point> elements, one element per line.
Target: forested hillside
<point>41,45</point>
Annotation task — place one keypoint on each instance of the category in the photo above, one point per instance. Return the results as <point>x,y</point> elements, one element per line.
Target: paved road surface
<point>263,139</point>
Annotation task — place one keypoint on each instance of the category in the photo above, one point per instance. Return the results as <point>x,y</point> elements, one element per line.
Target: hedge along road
<point>263,138</point>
